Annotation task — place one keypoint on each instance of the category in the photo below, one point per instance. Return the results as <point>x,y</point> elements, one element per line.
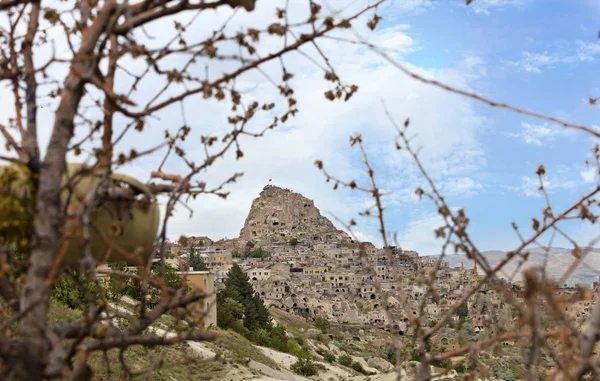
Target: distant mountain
<point>559,260</point>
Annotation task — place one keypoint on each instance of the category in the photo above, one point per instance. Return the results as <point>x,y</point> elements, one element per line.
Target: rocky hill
<point>278,215</point>
<point>559,260</point>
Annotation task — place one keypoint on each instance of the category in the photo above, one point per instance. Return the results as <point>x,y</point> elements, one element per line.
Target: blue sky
<point>537,55</point>
<point>540,55</point>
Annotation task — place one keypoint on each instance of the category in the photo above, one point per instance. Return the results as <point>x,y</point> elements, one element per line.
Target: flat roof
<point>194,272</point>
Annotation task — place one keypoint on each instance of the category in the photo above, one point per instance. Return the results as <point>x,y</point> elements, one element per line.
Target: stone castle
<point>279,215</point>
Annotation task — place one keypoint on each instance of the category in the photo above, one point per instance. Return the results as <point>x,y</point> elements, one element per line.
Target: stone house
<point>202,241</point>
<point>204,310</point>
<point>274,288</point>
<point>217,260</point>
<point>315,270</point>
<point>173,249</point>
<point>445,340</point>
<point>258,274</point>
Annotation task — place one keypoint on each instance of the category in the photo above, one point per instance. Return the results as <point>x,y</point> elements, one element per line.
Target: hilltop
<point>281,215</point>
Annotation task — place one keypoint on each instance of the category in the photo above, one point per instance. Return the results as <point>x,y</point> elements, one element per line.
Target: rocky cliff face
<point>279,215</point>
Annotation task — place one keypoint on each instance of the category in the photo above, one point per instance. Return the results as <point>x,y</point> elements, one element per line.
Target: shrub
<point>238,326</point>
<point>358,367</point>
<point>345,360</point>
<point>119,286</point>
<point>293,347</point>
<point>340,344</point>
<point>315,335</point>
<point>150,347</point>
<point>504,374</point>
<point>441,364</point>
<point>305,366</point>
<point>329,357</point>
<point>259,252</point>
<point>389,354</point>
<point>415,356</point>
<point>471,335</point>
<point>230,313</point>
<point>278,339</point>
<point>463,312</point>
<point>338,337</point>
<point>122,323</point>
<point>67,292</point>
<point>261,337</point>
<point>460,368</point>
<point>323,324</point>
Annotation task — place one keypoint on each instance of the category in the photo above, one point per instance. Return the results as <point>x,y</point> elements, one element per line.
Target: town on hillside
<point>299,263</point>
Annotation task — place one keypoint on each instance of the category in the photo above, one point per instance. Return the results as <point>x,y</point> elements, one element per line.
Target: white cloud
<point>460,186</point>
<point>589,174</point>
<point>364,237</point>
<point>540,135</point>
<point>446,153</point>
<point>536,62</point>
<point>487,6</point>
<point>419,235</point>
<point>287,157</point>
<point>320,132</point>
<point>390,39</point>
<point>412,6</point>
<point>533,62</point>
<point>530,187</point>
<point>586,51</point>
<point>446,126</point>
<point>555,181</point>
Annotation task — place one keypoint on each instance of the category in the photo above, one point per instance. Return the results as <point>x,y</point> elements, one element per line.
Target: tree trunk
<point>48,219</point>
<point>47,232</point>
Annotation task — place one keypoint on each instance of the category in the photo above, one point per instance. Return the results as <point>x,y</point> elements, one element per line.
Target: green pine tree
<point>257,316</point>
<point>239,289</point>
<point>239,283</point>
<point>197,263</point>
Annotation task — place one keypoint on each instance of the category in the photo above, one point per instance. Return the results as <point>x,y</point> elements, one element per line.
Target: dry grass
<point>229,344</point>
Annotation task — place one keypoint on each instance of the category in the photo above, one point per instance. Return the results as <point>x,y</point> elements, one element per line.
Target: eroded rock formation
<point>279,215</point>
